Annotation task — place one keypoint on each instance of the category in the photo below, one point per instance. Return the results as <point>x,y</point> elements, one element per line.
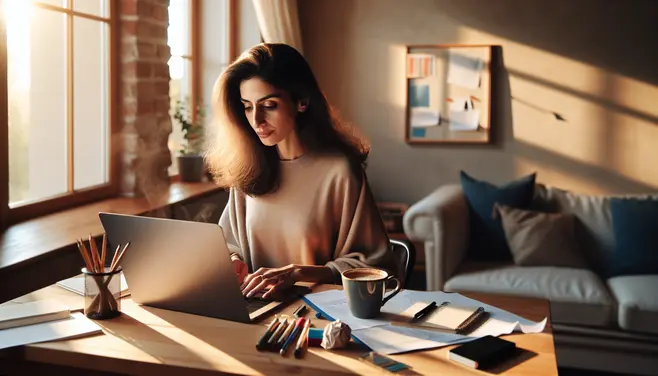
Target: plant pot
<point>191,167</point>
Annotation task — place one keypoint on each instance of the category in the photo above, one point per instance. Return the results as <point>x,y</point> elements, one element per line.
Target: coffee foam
<point>364,275</point>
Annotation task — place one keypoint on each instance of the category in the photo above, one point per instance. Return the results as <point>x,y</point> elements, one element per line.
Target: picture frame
<point>449,90</point>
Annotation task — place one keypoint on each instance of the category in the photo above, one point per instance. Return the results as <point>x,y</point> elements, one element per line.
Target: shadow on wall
<point>357,52</point>
<point>566,30</point>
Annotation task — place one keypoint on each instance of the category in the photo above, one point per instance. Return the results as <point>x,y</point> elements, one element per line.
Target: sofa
<point>599,322</point>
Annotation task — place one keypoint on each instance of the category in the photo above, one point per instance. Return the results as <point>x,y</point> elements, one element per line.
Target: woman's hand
<point>273,279</point>
<point>241,269</point>
<point>276,280</point>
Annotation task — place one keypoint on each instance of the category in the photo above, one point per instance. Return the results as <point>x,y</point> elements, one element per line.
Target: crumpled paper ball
<point>336,335</point>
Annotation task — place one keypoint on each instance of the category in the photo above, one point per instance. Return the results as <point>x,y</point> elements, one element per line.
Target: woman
<point>300,208</point>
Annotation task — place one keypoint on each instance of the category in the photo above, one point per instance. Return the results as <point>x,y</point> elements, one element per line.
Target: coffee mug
<point>365,289</point>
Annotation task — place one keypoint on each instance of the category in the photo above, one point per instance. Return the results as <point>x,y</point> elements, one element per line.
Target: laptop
<point>184,266</point>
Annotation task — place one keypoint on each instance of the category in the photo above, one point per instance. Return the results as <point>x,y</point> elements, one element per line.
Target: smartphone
<point>384,362</point>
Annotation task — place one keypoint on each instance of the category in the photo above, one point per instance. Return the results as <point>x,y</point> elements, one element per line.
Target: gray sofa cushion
<point>577,296</point>
<point>594,229</point>
<point>637,298</point>
<point>541,239</point>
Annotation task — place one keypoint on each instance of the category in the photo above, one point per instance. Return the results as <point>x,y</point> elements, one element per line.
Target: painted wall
<point>594,62</point>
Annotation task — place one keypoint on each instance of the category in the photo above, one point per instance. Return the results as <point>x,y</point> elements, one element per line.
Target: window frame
<point>72,197</point>
<point>194,58</point>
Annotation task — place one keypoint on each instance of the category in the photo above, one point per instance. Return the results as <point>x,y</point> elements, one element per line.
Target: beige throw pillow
<point>540,239</point>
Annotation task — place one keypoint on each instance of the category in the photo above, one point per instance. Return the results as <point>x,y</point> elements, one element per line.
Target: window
<point>183,39</point>
<point>59,109</point>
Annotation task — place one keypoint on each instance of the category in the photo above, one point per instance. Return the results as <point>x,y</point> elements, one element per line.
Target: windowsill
<point>28,241</point>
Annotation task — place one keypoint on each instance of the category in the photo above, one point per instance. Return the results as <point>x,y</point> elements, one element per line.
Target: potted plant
<point>190,161</point>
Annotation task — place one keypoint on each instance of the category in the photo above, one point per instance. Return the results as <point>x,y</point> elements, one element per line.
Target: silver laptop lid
<point>178,265</point>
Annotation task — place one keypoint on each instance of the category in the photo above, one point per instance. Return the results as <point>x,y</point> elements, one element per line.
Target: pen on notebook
<point>291,338</point>
<point>268,332</point>
<point>277,332</point>
<point>424,311</point>
<point>284,335</point>
<point>303,338</point>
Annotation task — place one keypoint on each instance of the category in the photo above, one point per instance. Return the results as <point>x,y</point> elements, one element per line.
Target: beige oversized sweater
<point>321,214</point>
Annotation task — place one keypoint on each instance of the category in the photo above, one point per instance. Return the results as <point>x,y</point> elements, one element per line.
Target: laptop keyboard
<point>254,304</point>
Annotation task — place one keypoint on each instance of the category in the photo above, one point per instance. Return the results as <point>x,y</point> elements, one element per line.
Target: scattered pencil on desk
<point>284,336</point>
<point>262,343</point>
<point>299,326</point>
<point>303,339</point>
<point>283,323</point>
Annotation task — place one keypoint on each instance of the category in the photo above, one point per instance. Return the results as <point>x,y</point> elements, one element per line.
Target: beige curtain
<point>279,22</point>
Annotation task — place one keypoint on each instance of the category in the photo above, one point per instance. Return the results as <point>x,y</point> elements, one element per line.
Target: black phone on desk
<point>483,352</point>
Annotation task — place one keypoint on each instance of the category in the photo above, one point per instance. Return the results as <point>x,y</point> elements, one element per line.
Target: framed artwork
<point>448,94</point>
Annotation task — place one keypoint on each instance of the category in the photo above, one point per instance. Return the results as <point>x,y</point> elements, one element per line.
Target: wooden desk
<point>151,341</point>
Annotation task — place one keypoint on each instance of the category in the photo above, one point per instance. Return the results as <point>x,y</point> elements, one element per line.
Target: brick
<point>160,70</point>
<point>146,124</point>
<point>128,28</point>
<point>143,9</point>
<point>145,106</point>
<point>162,106</point>
<point>143,30</point>
<point>164,51</point>
<point>160,13</point>
<point>129,90</point>
<point>137,69</point>
<point>129,109</point>
<point>145,90</point>
<point>162,88</point>
<point>129,7</point>
<point>146,49</point>
<point>159,32</point>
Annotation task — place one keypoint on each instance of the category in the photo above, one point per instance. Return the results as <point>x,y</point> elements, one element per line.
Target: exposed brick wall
<point>145,94</point>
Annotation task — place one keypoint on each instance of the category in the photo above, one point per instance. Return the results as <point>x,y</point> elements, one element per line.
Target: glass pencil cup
<point>102,294</point>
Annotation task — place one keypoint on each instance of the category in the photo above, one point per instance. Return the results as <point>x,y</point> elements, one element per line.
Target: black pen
<point>300,311</point>
<point>268,333</point>
<point>424,311</point>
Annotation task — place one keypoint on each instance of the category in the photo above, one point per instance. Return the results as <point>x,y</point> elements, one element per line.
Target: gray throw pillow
<point>540,239</point>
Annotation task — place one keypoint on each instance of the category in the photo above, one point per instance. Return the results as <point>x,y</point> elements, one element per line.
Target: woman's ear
<point>302,105</point>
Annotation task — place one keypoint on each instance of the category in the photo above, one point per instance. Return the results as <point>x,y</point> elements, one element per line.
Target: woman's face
<point>270,111</point>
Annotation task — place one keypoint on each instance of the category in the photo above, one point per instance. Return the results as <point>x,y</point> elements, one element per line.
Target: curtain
<point>278,21</point>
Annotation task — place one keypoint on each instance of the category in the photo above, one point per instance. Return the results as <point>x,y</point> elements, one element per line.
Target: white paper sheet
<point>464,120</point>
<point>464,70</point>
<point>424,117</point>
<point>76,326</point>
<point>77,285</point>
<point>380,336</point>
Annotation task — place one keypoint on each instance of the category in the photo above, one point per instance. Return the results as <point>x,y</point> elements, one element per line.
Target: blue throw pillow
<point>487,237</point>
<point>635,226</point>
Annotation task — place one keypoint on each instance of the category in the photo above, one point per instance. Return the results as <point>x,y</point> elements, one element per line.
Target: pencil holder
<point>102,294</point>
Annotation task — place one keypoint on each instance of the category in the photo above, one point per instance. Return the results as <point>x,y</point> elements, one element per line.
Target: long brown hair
<point>236,156</point>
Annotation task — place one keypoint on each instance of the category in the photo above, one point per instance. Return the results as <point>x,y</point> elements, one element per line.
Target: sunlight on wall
<point>611,121</point>
<point>561,179</point>
<point>398,87</point>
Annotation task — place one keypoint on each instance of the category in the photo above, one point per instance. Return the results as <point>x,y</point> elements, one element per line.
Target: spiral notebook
<point>445,316</point>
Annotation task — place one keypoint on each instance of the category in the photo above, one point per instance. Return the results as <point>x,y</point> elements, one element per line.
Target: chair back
<point>405,256</point>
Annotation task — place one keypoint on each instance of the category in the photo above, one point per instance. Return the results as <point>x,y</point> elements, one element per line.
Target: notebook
<point>483,352</point>
<point>75,326</point>
<point>446,316</point>
<point>32,313</point>
<point>77,285</point>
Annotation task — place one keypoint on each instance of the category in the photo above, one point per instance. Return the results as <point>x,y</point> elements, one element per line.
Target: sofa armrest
<point>441,221</point>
